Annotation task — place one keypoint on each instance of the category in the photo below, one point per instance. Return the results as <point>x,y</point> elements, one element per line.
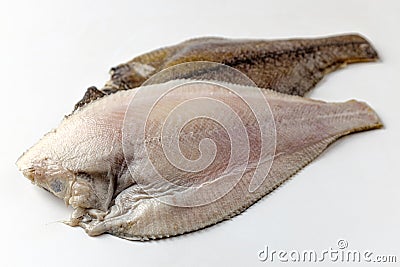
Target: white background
<point>51,51</point>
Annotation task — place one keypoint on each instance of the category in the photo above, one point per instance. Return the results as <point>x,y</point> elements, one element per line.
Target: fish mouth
<point>30,174</point>
<point>26,167</point>
<point>23,166</point>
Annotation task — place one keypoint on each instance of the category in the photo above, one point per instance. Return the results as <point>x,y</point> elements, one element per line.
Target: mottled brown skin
<point>287,66</point>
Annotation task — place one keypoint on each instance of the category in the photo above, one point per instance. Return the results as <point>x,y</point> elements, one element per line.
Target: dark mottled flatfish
<point>292,66</point>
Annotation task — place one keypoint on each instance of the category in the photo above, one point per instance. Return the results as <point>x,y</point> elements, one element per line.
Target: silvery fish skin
<point>98,168</point>
<point>291,66</point>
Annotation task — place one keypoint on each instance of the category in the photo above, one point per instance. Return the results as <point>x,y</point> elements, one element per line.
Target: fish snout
<point>30,174</point>
<point>45,173</point>
<point>25,165</point>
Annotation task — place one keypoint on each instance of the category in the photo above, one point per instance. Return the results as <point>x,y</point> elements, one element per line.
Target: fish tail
<point>338,51</point>
<point>357,116</point>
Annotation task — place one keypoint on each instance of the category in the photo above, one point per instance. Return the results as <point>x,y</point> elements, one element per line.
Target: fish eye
<point>57,186</point>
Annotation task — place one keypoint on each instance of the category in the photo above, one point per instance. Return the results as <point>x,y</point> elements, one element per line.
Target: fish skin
<point>292,66</point>
<point>92,93</point>
<point>82,162</point>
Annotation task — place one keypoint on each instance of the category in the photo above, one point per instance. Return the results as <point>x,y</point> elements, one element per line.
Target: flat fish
<point>291,66</point>
<point>172,158</point>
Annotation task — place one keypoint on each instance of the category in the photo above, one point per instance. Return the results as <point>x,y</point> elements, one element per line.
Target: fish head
<point>77,158</point>
<point>41,164</point>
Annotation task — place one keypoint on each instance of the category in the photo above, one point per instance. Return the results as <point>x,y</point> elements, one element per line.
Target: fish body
<point>171,158</point>
<point>290,66</point>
